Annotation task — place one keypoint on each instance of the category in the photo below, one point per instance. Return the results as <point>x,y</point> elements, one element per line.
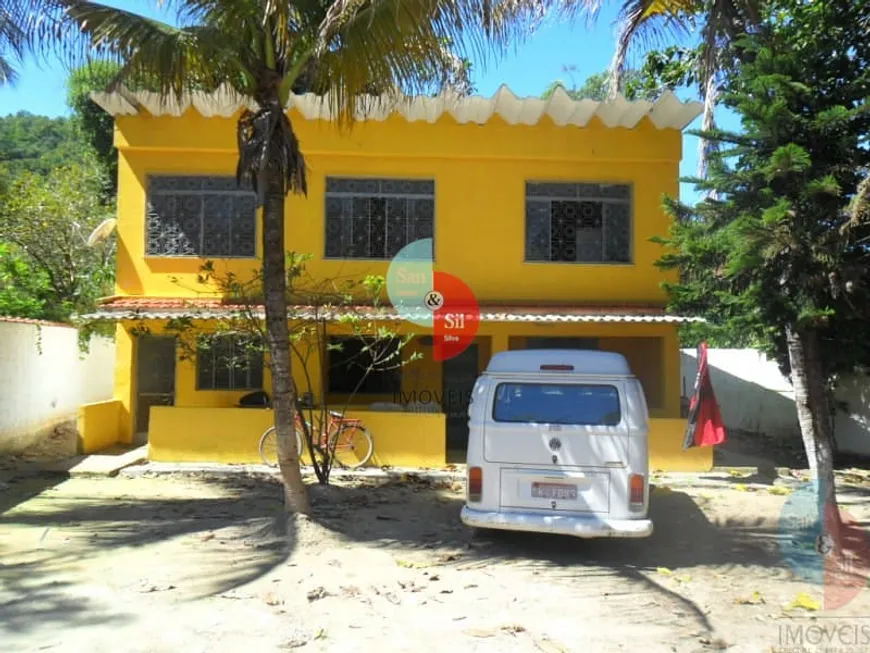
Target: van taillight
<point>636,486</point>
<point>560,368</point>
<point>475,483</point>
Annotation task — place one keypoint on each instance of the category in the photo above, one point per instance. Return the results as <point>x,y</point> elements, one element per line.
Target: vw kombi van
<point>558,443</point>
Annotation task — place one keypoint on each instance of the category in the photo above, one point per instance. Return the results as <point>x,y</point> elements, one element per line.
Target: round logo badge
<point>810,555</point>
<point>431,299</point>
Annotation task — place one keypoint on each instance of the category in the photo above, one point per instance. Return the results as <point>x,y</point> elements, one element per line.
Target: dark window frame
<point>552,193</point>
<point>343,194</point>
<point>555,383</point>
<point>394,384</point>
<point>206,188</point>
<point>251,370</point>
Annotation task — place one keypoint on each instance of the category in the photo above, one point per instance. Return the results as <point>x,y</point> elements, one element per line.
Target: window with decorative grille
<point>230,362</point>
<point>200,216</point>
<point>578,222</point>
<point>376,218</point>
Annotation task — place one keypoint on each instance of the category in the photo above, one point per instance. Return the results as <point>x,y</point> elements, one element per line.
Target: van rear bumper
<point>587,526</point>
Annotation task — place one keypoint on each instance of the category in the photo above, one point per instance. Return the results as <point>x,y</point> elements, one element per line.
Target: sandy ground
<point>200,564</point>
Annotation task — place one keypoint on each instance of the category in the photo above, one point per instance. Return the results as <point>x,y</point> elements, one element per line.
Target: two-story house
<point>543,208</point>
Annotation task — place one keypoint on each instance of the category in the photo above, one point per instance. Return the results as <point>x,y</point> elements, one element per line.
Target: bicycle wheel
<point>269,446</point>
<point>353,446</point>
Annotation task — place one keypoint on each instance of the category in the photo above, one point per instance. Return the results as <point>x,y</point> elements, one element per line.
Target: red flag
<point>705,427</point>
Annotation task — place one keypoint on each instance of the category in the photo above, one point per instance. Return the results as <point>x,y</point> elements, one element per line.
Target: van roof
<point>575,361</point>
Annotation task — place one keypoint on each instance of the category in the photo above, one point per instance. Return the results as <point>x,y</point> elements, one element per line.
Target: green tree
<point>96,127</point>
<point>718,22</point>
<point>596,87</point>
<point>24,291</point>
<point>30,143</point>
<point>47,220</point>
<point>264,51</point>
<point>781,255</point>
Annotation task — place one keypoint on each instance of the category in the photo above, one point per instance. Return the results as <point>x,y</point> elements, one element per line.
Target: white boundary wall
<point>754,396</point>
<point>44,378</point>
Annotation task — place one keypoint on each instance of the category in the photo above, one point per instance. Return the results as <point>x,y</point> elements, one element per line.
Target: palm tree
<point>719,22</point>
<point>263,50</point>
<point>14,41</point>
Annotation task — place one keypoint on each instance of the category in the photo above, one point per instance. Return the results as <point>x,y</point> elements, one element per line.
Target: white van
<point>558,443</point>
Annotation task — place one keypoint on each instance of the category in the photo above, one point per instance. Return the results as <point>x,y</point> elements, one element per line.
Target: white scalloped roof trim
<point>667,112</point>
<point>485,316</point>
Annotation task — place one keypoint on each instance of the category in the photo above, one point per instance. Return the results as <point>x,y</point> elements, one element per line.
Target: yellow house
<point>543,208</point>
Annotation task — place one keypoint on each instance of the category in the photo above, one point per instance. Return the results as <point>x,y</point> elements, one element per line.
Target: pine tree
<point>779,254</point>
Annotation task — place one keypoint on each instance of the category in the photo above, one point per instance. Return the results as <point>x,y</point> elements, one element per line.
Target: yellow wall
<point>666,448</point>
<point>125,380</point>
<point>231,435</point>
<point>98,425</point>
<point>479,172</point>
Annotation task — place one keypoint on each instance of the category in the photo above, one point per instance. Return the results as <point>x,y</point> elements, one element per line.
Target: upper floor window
<point>230,362</point>
<point>200,216</point>
<point>578,223</point>
<point>376,218</point>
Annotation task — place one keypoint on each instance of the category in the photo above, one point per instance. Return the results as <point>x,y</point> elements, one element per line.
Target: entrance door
<point>155,379</point>
<point>459,375</point>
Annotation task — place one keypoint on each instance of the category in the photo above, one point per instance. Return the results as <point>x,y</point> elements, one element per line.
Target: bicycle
<point>353,445</point>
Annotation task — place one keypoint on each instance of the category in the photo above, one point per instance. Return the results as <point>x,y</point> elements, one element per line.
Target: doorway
<point>155,379</point>
<point>458,376</point>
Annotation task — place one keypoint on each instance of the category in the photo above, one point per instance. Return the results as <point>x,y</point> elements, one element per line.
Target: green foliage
<point>635,85</point>
<point>24,291</point>
<point>671,67</point>
<point>782,244</point>
<point>37,144</point>
<point>94,124</point>
<point>47,219</point>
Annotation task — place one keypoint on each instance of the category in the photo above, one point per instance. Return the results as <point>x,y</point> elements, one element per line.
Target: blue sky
<point>527,69</point>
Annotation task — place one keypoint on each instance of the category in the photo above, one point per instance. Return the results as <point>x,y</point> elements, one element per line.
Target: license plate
<point>553,491</point>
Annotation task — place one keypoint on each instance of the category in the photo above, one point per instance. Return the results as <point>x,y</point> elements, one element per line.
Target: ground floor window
<point>364,366</point>
<point>229,362</point>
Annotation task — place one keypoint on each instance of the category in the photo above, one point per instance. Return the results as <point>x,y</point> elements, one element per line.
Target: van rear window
<point>557,403</point>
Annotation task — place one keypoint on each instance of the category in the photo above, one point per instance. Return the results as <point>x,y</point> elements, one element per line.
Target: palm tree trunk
<point>278,335</point>
<point>814,418</point>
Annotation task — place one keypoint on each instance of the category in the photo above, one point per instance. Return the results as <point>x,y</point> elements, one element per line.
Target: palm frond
<point>648,23</point>
<point>397,46</point>
<point>169,60</point>
<point>8,73</point>
<point>15,36</point>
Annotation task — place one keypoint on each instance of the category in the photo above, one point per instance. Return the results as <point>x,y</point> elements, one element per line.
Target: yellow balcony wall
<point>232,435</point>
<point>98,425</point>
